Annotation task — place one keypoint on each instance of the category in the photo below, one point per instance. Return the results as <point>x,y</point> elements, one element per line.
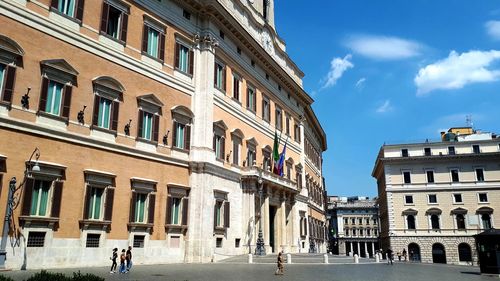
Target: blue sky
<point>392,71</point>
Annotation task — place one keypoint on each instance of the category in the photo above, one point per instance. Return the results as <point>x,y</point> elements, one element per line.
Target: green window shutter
<point>108,212</point>
<point>151,208</point>
<point>56,199</point>
<point>131,217</point>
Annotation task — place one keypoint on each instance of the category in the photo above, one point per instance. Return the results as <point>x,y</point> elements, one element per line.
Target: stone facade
<point>435,195</point>
<point>154,122</point>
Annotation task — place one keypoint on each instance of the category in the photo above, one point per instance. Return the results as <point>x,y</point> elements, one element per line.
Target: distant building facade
<point>435,195</point>
<point>353,225</point>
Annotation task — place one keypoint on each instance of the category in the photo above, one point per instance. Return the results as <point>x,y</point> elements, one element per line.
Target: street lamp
<point>260,250</point>
<point>13,202</point>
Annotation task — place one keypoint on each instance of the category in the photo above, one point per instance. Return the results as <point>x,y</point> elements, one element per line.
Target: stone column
<point>359,248</point>
<point>295,221</point>
<point>283,222</point>
<point>265,221</point>
<point>373,248</point>
<point>366,250</point>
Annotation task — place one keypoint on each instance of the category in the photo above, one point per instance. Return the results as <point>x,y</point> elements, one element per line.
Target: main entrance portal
<point>272,229</point>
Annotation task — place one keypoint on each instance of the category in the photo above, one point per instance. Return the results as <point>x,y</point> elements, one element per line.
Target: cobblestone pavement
<point>236,269</point>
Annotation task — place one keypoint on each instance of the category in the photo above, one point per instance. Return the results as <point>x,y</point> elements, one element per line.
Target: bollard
<point>325,258</point>
<point>356,258</point>
<point>350,253</point>
<point>250,258</point>
<point>288,258</point>
<point>377,258</point>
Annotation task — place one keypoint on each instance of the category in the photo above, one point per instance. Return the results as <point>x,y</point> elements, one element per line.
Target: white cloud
<point>385,107</point>
<point>361,83</point>
<point>493,29</point>
<point>337,68</point>
<point>384,47</point>
<point>457,70</point>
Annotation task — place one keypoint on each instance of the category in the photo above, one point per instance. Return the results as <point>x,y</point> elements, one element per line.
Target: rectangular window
<point>480,175</point>
<point>140,207</point>
<point>236,152</point>
<point>2,75</point>
<point>153,44</point>
<point>432,198</point>
<point>67,7</point>
<point>407,177</point>
<point>251,99</point>
<point>36,239</point>
<point>430,176</point>
<point>218,214</point>
<point>353,221</point>
<point>138,241</point>
<point>475,148</point>
<point>184,59</point>
<point>457,198</point>
<point>95,203</point>
<point>404,152</point>
<point>251,157</point>
<point>104,117</point>
<point>279,119</point>
<point>180,135</point>
<point>346,220</point>
<point>40,198</point>
<point>454,175</point>
<point>147,125</point>
<point>114,22</point>
<point>451,150</point>
<point>236,87</point>
<point>218,242</point>
<point>92,240</point>
<point>54,98</point>
<point>266,109</point>
<point>427,151</point>
<point>483,197</point>
<point>176,206</point>
<point>237,242</point>
<point>219,147</point>
<point>296,130</point>
<point>408,199</point>
<point>287,125</point>
<point>360,221</point>
<point>220,76</point>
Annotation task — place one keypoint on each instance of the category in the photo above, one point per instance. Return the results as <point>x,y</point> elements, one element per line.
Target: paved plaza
<point>305,268</point>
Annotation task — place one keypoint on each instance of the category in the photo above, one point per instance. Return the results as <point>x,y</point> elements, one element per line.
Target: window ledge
<point>483,203</point>
<point>176,228</point>
<point>112,42</point>
<point>139,226</point>
<point>150,60</point>
<point>64,19</point>
<point>99,224</point>
<point>6,105</point>
<point>219,230</point>
<point>48,222</point>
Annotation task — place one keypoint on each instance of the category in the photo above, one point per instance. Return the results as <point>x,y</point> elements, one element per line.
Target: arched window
<point>460,221</point>
<point>11,56</point>
<point>435,221</point>
<point>486,221</point>
<point>410,220</point>
<point>464,252</point>
<point>108,93</point>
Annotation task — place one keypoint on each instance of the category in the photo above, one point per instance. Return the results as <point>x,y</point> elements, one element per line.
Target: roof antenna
<point>468,120</point>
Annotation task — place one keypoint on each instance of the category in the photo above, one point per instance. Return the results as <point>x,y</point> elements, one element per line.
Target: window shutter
<point>43,94</point>
<point>301,227</point>
<point>215,215</point>
<point>79,9</point>
<point>139,123</point>
<point>123,36</point>
<point>9,84</point>
<point>162,46</point>
<point>168,217</point>
<point>254,107</point>
<point>248,97</point>
<point>215,145</point>
<point>177,50</point>
<point>305,227</point>
<point>187,138</point>
<point>56,200</point>
<point>28,192</point>
<point>223,148</point>
<point>95,117</point>
<point>54,4</point>
<point>66,101</point>
<point>104,17</point>
<point>108,212</point>
<point>191,61</point>
<point>86,203</point>
<point>263,109</point>
<point>185,208</point>
<point>131,216</point>
<point>156,127</point>
<point>224,78</point>
<point>174,134</point>
<point>115,108</point>
<point>151,209</point>
<point>145,38</point>
<point>226,214</point>
<point>215,74</point>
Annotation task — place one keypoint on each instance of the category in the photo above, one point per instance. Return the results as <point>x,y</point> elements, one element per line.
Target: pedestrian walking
<point>129,258</point>
<point>280,270</point>
<point>389,256</point>
<point>114,256</point>
<point>404,254</point>
<point>399,256</point>
<point>123,268</point>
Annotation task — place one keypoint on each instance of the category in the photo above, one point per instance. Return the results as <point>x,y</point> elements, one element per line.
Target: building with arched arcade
<point>435,195</point>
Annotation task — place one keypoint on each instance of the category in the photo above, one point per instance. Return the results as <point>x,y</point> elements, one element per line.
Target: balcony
<point>269,178</point>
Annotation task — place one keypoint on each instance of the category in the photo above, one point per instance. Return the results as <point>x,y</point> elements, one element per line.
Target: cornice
<point>444,157</point>
<point>209,168</point>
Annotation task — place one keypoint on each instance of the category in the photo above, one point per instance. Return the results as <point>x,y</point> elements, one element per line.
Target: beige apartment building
<point>435,195</point>
<point>151,124</point>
